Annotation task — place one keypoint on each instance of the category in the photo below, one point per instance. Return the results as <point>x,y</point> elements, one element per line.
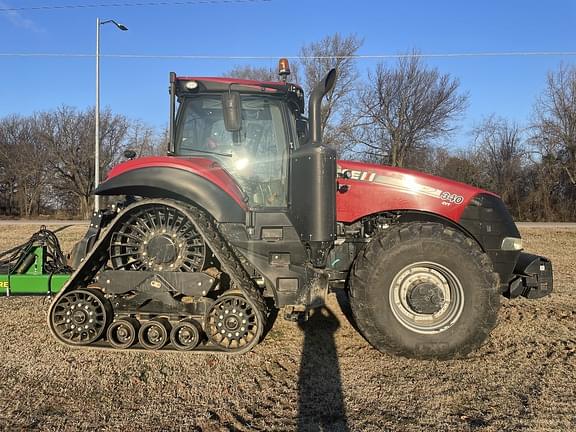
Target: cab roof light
<point>283,69</point>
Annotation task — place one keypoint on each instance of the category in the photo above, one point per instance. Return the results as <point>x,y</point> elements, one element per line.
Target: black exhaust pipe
<point>315,106</point>
<point>313,183</point>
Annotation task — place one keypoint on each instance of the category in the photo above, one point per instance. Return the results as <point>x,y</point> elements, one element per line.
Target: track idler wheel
<point>234,324</point>
<point>185,335</point>
<point>123,333</point>
<point>80,317</point>
<point>154,334</point>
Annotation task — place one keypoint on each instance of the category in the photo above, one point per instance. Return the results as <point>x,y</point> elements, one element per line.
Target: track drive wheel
<point>234,323</point>
<point>123,333</point>
<point>80,316</point>
<point>423,290</point>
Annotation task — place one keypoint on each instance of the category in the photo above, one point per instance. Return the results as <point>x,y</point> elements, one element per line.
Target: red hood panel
<point>207,168</point>
<point>377,188</point>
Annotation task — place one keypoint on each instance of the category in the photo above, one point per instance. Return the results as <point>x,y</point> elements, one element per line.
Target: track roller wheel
<point>80,317</point>
<point>185,335</point>
<point>154,334</point>
<point>123,333</point>
<point>234,324</point>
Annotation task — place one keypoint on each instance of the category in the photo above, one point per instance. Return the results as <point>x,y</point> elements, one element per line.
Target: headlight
<point>511,244</point>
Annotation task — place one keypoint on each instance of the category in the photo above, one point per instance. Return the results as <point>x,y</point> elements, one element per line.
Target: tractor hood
<point>377,188</point>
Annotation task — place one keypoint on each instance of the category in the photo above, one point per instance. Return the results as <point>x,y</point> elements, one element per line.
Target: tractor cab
<point>248,127</point>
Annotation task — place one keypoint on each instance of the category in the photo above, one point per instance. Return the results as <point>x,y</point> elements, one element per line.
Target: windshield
<point>255,155</point>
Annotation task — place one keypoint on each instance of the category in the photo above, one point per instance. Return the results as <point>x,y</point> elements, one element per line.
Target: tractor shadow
<point>320,397</point>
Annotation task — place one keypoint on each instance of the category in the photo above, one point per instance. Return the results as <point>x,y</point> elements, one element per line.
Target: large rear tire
<point>423,290</point>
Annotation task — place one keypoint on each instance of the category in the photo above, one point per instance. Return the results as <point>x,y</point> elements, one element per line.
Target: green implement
<point>37,267</point>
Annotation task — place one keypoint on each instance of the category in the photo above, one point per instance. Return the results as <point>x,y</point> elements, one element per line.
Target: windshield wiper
<point>211,152</point>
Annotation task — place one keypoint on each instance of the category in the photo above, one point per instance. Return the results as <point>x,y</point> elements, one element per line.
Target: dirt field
<point>323,376</point>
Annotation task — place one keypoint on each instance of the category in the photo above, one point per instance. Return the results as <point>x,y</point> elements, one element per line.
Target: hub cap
<point>426,297</point>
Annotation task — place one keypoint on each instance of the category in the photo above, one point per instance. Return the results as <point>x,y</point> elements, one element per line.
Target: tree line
<point>47,159</point>
<point>399,113</point>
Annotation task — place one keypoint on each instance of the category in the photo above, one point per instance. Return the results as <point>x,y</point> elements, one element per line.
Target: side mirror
<point>129,154</point>
<point>302,129</point>
<point>232,111</point>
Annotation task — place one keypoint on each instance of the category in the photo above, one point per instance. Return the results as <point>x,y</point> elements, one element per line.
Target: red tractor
<point>250,212</point>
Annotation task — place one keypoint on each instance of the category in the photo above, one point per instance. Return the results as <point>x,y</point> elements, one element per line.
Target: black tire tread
<point>362,308</point>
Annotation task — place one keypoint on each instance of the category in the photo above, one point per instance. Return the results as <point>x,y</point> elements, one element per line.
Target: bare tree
<point>144,139</point>
<point>554,141</point>
<point>69,138</point>
<point>23,159</point>
<point>403,109</point>
<point>555,118</point>
<point>501,156</point>
<point>334,51</point>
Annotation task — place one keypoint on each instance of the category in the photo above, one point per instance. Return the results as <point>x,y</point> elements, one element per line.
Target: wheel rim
<point>233,323</point>
<point>153,335</point>
<point>157,238</point>
<point>185,336</point>
<point>122,333</point>
<point>80,317</point>
<point>426,297</point>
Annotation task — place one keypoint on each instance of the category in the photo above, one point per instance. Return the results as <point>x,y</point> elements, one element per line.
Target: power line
<point>127,4</point>
<point>295,57</point>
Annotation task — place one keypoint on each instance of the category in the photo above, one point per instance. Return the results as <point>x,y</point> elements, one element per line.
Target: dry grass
<point>323,376</point>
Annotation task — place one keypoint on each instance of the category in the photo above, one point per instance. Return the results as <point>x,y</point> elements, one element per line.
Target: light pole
<point>97,109</point>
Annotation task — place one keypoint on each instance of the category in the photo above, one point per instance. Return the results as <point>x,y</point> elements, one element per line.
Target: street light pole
<point>97,121</point>
<point>97,109</point>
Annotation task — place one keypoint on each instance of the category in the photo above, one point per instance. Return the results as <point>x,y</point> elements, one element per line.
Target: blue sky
<point>137,88</point>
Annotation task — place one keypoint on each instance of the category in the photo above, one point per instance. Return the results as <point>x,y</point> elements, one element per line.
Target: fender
<point>199,181</point>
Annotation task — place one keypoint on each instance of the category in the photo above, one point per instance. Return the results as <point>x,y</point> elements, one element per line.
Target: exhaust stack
<point>315,106</point>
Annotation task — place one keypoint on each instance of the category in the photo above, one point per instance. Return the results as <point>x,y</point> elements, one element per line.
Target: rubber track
<point>230,263</point>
